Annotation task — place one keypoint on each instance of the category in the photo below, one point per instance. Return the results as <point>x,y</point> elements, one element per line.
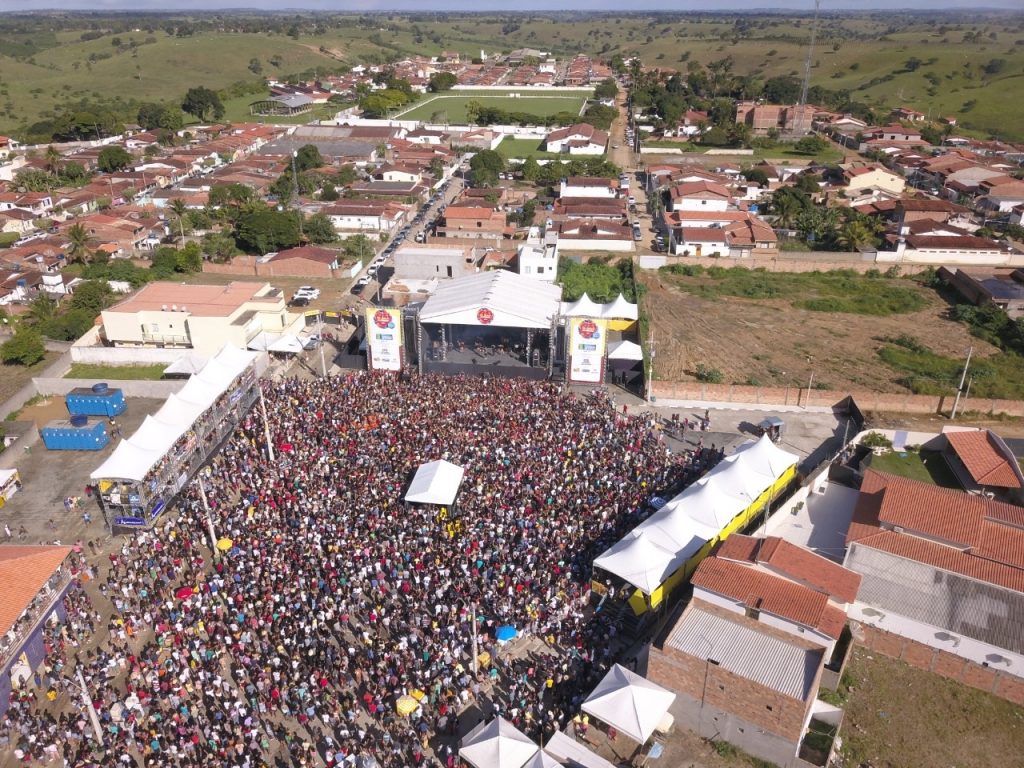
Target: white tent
<point>620,309</point>
<point>629,702</point>
<point>436,482</point>
<point>638,560</point>
<point>496,299</point>
<point>178,410</point>
<point>262,341</point>
<point>571,752</point>
<point>498,744</point>
<point>286,343</point>
<point>625,350</point>
<point>542,760</point>
<point>158,435</point>
<point>188,363</point>
<point>710,504</point>
<point>766,458</point>
<point>128,462</point>
<point>674,528</point>
<point>584,306</point>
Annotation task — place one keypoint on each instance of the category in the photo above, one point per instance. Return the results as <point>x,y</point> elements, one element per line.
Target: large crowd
<point>335,601</point>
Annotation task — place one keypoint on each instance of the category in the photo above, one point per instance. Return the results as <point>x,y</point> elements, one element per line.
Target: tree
<point>164,262</point>
<point>358,247</point>
<point>113,158</point>
<point>24,348</point>
<point>442,81</point>
<point>268,230</point>
<point>159,116</point>
<point>328,192</point>
<point>307,158</point>
<point>606,89</point>
<point>855,235</point>
<point>318,229</point>
<point>42,309</point>
<point>787,203</point>
<point>531,169</point>
<point>201,101</point>
<point>255,67</point>
<point>179,208</point>
<point>473,109</point>
<point>52,157</point>
<point>92,296</point>
<point>811,145</point>
<point>756,175</point>
<point>486,165</point>
<point>189,258</point>
<point>78,243</point>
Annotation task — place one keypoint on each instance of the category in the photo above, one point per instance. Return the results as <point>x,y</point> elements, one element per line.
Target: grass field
<point>452,109</point>
<point>926,466</point>
<point>524,148</point>
<point>901,717</point>
<point>116,372</point>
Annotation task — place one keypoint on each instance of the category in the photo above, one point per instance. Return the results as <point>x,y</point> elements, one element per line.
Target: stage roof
<point>498,298</point>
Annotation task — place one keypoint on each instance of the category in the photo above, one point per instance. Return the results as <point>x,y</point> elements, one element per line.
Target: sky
<point>501,5</point>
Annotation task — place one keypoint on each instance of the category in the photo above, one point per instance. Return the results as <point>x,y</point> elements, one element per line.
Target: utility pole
<point>87,703</point>
<point>266,424</point>
<point>805,86</point>
<point>650,363</point>
<point>960,389</point>
<point>206,508</point>
<point>810,383</point>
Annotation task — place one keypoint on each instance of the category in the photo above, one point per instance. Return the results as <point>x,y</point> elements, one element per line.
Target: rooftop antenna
<point>807,71</point>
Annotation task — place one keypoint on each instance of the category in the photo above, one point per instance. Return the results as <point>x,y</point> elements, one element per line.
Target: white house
<point>400,173</point>
<point>588,186</point>
<point>699,196</point>
<point>579,139</point>
<point>594,235</point>
<point>365,215</point>
<point>538,257</point>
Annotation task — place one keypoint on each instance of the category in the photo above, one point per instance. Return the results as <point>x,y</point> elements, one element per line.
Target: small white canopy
<point>497,744</point>
<point>625,350</point>
<point>638,560</point>
<point>571,752</point>
<point>286,343</point>
<point>629,703</point>
<point>584,306</point>
<point>620,309</point>
<point>189,363</point>
<point>436,482</point>
<point>542,760</point>
<point>261,342</point>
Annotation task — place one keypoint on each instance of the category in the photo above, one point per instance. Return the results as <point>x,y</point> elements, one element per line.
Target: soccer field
<point>454,107</point>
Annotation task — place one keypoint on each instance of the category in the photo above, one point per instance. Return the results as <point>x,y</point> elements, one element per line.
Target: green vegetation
<point>116,372</point>
<point>598,278</point>
<point>524,148</point>
<point>926,466</point>
<point>928,373</point>
<point>454,107</point>
<point>837,291</point>
<point>25,347</point>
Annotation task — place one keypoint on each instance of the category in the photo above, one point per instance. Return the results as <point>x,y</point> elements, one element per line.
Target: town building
<point>579,139</point>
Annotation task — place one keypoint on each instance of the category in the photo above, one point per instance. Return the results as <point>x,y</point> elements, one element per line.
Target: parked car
<point>299,301</point>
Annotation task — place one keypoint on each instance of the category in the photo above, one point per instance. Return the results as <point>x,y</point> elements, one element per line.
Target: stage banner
<point>384,338</point>
<point>586,351</point>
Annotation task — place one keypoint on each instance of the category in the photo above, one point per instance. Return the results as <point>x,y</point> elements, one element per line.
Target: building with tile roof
<point>942,580</point>
<point>33,581</point>
<point>984,460</point>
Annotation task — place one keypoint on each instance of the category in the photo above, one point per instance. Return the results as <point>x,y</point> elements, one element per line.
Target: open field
<point>926,466</point>
<point>14,377</point>
<point>452,109</point>
<point>524,148</point>
<point>833,154</point>
<point>901,717</point>
<point>774,342</point>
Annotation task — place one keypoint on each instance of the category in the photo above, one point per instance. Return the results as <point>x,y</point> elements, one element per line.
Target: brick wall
<point>941,662</point>
<point>248,266</point>
<point>795,396</point>
<point>240,265</point>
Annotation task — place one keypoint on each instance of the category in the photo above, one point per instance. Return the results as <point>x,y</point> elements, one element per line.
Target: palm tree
<point>179,208</point>
<point>53,158</point>
<point>786,208</point>
<point>78,243</point>
<point>855,235</point>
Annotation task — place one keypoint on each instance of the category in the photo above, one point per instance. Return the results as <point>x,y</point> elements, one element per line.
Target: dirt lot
<point>768,341</point>
<point>902,717</point>
<point>14,377</point>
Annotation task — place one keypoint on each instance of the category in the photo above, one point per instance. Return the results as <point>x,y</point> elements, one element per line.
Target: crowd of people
<point>329,601</point>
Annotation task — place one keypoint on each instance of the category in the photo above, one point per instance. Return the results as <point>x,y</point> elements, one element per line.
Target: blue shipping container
<point>61,435</point>
<point>106,402</point>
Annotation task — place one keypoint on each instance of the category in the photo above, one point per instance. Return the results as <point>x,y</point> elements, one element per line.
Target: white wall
<point>125,355</point>
<point>619,246</point>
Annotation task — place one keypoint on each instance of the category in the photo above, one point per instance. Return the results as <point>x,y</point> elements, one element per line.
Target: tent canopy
<point>620,309</point>
<point>766,458</point>
<point>261,342</point>
<point>542,760</point>
<point>584,306</point>
<point>286,343</point>
<point>571,752</point>
<point>498,744</point>
<point>630,703</point>
<point>625,350</point>
<point>503,299</point>
<point>188,363</point>
<point>641,562</point>
<point>436,482</point>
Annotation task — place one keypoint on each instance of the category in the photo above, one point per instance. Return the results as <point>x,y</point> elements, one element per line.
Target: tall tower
<point>799,126</point>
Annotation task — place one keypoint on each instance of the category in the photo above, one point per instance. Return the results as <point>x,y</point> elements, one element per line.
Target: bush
<point>24,348</point>
<point>709,375</point>
<point>876,440</point>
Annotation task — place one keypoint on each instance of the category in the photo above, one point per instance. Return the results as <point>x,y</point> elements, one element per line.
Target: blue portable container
<point>97,400</point>
<point>75,434</point>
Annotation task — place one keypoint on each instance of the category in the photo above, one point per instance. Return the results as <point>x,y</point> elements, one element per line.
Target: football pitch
<point>452,108</point>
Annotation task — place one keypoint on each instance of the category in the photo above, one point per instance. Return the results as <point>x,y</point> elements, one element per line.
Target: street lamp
<point>810,381</point>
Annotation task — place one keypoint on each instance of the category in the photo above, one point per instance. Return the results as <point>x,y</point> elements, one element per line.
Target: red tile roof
<point>771,594</point>
<point>984,461</point>
<point>24,570</point>
<point>1001,544</point>
<point>794,562</point>
<point>946,558</point>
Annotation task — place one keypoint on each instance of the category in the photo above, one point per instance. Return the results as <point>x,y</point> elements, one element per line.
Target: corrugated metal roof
<point>949,601</point>
<point>745,651</point>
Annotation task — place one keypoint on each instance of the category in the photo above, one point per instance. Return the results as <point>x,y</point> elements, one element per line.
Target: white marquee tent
<point>286,343</point>
<point>188,363</point>
<point>625,350</point>
<point>542,760</point>
<point>436,482</point>
<point>619,309</point>
<point>629,702</point>
<point>135,457</point>
<point>570,752</point>
<point>497,744</point>
<point>652,551</point>
<point>512,301</point>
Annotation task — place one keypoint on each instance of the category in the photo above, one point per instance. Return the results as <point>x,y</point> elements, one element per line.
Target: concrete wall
<point>10,456</point>
<point>794,396</point>
<point>150,389</point>
<point>125,355</point>
<point>991,678</point>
